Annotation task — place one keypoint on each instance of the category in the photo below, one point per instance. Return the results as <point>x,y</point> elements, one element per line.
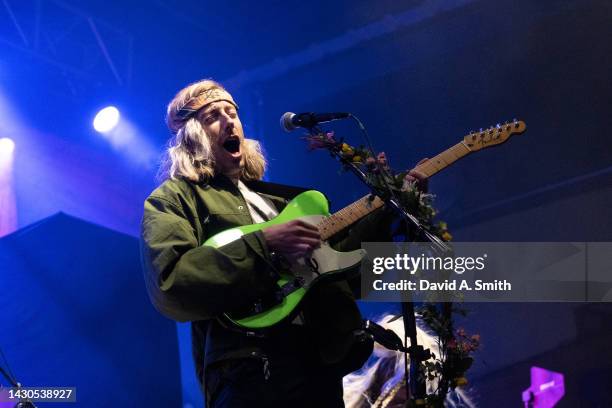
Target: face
<point>222,125</point>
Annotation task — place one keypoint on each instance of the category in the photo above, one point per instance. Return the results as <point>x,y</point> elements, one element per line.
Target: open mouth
<point>232,144</point>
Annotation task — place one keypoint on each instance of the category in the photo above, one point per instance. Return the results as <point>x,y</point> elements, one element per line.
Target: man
<point>212,184</point>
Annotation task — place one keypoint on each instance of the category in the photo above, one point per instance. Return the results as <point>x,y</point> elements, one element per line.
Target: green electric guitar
<point>325,262</point>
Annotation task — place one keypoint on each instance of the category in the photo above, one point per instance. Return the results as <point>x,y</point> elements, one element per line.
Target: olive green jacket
<point>189,282</point>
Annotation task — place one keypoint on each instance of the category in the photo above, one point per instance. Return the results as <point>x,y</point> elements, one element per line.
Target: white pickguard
<point>324,259</point>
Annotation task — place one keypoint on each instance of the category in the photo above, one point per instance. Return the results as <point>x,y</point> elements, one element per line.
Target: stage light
<point>8,215</point>
<point>6,146</point>
<point>124,136</point>
<point>106,119</point>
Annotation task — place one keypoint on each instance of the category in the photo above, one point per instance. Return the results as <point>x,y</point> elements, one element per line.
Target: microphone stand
<point>416,380</point>
<point>15,384</point>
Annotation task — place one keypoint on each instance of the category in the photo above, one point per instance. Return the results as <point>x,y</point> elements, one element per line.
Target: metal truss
<point>58,34</point>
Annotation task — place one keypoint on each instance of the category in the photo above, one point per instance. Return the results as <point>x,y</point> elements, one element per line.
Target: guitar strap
<point>261,208</point>
<point>279,190</point>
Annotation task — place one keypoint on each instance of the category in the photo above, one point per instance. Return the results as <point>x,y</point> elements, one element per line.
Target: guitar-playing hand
<point>422,182</point>
<point>293,240</point>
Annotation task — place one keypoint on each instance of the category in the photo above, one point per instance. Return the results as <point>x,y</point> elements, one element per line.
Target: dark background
<point>419,74</point>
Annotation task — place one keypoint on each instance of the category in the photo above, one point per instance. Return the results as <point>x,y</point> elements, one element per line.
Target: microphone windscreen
<point>286,122</point>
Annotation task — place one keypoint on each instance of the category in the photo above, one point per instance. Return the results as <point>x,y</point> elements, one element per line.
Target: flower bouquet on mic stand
<point>408,197</point>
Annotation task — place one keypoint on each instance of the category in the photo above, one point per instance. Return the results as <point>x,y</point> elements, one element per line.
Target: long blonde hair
<point>189,153</point>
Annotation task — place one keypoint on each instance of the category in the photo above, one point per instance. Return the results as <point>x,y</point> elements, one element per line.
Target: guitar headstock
<point>494,135</point>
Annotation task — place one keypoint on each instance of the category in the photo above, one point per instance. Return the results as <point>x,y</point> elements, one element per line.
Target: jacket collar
<point>280,190</point>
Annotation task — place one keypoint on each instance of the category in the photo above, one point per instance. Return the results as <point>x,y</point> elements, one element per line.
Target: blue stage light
<point>106,119</point>
<point>6,146</point>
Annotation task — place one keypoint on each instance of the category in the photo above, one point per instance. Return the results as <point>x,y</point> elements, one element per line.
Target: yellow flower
<point>345,147</point>
<point>461,381</point>
<point>357,159</point>
<point>446,236</point>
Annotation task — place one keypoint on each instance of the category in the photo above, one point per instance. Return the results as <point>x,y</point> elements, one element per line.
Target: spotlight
<point>106,119</point>
<point>6,146</point>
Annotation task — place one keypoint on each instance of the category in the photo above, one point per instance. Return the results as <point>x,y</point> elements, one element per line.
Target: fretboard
<point>444,159</point>
<point>348,215</point>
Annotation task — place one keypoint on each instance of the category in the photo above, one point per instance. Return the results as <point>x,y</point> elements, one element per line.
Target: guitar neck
<point>350,214</point>
<point>443,160</point>
<point>474,141</point>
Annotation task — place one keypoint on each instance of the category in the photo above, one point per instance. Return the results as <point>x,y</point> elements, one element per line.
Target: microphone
<point>291,121</point>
